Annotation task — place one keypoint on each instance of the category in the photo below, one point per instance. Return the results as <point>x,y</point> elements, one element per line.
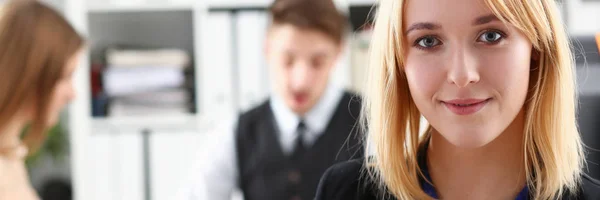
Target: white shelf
<point>142,7</point>
<point>154,123</point>
<point>362,2</point>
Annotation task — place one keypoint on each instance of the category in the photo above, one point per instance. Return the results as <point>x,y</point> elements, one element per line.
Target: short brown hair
<point>37,42</point>
<point>320,15</point>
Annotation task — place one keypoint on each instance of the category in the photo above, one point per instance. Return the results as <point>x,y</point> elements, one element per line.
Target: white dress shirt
<point>216,176</point>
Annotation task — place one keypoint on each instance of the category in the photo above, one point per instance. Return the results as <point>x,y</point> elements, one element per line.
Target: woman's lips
<point>465,106</point>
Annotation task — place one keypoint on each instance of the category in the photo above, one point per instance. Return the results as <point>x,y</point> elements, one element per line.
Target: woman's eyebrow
<point>423,25</point>
<point>433,26</point>
<point>485,19</point>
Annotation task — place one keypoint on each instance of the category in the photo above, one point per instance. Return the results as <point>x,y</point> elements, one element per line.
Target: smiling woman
<point>494,79</point>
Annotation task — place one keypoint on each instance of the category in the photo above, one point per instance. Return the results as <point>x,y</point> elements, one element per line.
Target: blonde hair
<point>37,43</point>
<point>553,149</point>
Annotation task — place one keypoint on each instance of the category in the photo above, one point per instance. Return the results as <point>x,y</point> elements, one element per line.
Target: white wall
<point>56,4</point>
<point>216,69</point>
<point>252,67</point>
<point>583,17</point>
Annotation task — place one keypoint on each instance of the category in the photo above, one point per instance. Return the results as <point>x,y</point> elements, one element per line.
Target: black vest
<point>266,173</point>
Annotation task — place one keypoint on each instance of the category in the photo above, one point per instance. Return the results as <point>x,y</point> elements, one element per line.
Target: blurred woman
<point>38,53</point>
<point>494,78</point>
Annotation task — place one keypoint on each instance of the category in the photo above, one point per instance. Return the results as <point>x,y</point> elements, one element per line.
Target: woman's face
<point>63,91</point>
<point>468,73</point>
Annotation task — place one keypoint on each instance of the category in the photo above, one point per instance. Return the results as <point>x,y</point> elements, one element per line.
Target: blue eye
<point>491,37</point>
<point>428,42</point>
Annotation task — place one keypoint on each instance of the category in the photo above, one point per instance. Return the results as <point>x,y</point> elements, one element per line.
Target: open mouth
<point>300,98</point>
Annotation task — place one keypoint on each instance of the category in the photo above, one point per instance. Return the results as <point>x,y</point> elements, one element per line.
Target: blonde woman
<point>38,54</point>
<point>494,79</point>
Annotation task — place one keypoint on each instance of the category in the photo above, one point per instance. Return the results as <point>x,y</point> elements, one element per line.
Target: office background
<point>135,139</point>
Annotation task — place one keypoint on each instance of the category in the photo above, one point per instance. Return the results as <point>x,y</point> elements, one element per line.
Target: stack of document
<point>143,82</point>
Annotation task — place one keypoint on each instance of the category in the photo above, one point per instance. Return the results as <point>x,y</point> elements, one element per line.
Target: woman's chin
<point>469,140</point>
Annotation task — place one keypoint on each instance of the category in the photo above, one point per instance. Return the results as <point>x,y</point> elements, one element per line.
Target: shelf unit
<point>164,28</point>
<point>153,25</point>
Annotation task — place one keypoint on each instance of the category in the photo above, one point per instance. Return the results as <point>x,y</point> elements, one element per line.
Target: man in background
<point>280,149</point>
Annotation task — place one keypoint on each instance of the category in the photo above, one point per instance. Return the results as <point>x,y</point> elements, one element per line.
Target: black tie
<point>301,132</point>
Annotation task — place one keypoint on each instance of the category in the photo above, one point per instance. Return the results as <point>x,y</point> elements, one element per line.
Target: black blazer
<point>347,181</point>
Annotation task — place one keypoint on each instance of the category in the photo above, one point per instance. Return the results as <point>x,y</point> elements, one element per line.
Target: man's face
<point>300,61</point>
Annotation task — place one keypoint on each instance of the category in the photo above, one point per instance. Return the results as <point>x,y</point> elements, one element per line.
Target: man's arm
<point>215,175</point>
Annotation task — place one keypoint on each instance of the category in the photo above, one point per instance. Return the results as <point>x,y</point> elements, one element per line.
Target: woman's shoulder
<point>347,180</point>
<point>590,188</point>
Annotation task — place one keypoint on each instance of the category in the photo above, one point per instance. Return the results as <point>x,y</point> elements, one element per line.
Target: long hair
<point>37,43</point>
<point>553,154</point>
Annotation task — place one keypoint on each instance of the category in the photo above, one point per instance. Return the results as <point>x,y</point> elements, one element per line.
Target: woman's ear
<point>535,59</point>
<point>535,55</point>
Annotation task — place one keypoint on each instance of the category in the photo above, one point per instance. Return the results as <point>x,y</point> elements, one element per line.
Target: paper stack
<point>146,82</point>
